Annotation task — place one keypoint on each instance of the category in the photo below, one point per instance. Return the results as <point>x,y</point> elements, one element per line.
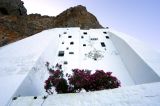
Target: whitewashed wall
<point>17,65</point>
<point>23,63</point>
<point>139,95</point>
<point>34,82</point>
<point>140,70</point>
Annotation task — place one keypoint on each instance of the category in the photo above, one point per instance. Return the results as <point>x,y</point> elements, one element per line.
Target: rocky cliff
<point>13,28</point>
<point>12,7</point>
<point>15,24</point>
<point>77,17</point>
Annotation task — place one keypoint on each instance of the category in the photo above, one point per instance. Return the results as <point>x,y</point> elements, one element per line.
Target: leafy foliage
<point>80,79</point>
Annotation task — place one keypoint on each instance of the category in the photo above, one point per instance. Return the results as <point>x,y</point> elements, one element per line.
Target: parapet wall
<point>140,70</point>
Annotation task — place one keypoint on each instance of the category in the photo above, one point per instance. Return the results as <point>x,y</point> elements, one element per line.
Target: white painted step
<point>139,95</point>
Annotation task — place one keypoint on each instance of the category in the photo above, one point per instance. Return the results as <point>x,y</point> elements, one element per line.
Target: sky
<point>137,18</point>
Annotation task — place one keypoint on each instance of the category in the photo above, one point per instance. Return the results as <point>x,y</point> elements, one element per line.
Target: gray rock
<point>12,7</point>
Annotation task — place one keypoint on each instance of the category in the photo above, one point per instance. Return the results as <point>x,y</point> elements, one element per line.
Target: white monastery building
<point>23,71</point>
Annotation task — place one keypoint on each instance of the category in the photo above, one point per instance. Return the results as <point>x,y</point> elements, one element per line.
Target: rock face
<point>13,28</point>
<point>77,17</point>
<point>12,7</point>
<point>15,25</point>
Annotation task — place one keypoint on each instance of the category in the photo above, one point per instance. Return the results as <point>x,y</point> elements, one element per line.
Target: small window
<point>35,97</point>
<point>103,44</point>
<point>59,35</point>
<point>82,37</point>
<point>105,32</point>
<point>84,44</point>
<point>71,43</point>
<point>65,33</point>
<point>107,37</point>
<point>62,42</point>
<point>67,48</point>
<point>71,52</point>
<point>14,98</point>
<point>85,33</point>
<point>44,97</point>
<point>69,36</point>
<point>61,53</point>
<point>94,38</point>
<point>65,62</point>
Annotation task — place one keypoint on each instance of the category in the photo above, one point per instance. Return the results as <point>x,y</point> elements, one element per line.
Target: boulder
<point>12,7</point>
<point>77,16</point>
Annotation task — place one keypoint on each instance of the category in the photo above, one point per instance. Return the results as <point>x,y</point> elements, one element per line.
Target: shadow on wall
<point>138,69</point>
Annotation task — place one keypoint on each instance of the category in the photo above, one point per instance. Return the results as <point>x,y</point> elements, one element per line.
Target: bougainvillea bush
<point>80,79</point>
